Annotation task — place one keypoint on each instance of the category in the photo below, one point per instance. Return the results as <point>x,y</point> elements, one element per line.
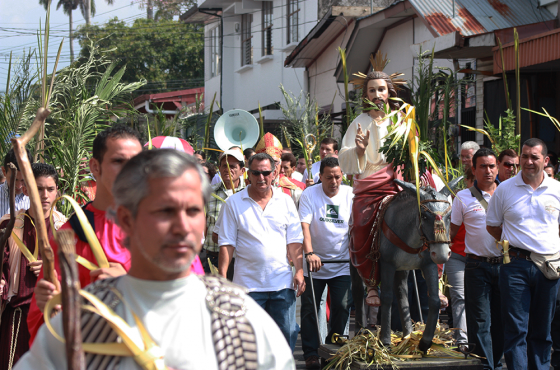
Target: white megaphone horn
<point>236,127</point>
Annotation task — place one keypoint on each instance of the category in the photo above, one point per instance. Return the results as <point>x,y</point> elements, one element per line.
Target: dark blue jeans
<point>340,310</point>
<point>482,305</point>
<point>281,306</point>
<point>528,305</point>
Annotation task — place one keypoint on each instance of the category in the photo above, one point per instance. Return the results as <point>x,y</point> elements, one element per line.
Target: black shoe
<point>312,362</point>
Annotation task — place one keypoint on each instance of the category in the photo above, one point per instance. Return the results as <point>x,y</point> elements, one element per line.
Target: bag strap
<point>77,227</point>
<point>479,197</point>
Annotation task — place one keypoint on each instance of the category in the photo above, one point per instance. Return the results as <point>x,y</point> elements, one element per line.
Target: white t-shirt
<point>217,179</point>
<point>529,218</point>
<point>328,225</point>
<point>260,238</point>
<point>298,176</point>
<point>468,210</point>
<point>315,171</point>
<point>175,314</point>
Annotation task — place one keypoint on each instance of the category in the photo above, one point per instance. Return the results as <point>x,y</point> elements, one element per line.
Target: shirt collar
<point>482,191</point>
<point>519,180</point>
<point>275,192</point>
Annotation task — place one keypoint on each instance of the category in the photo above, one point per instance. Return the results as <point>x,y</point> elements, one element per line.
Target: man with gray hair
<point>468,148</point>
<point>185,321</point>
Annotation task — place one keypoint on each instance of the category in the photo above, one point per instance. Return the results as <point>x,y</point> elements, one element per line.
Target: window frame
<point>266,32</point>
<point>246,40</point>
<point>292,13</point>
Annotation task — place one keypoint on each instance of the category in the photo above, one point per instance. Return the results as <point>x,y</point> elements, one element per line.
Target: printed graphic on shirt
<point>332,211</point>
<point>331,215</point>
<point>550,207</point>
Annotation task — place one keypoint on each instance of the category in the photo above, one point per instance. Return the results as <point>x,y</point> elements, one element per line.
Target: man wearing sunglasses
<point>259,223</point>
<point>508,164</point>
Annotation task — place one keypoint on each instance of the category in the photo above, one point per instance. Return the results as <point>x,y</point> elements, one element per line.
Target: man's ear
<point>124,219</point>
<point>336,152</point>
<point>546,160</point>
<point>95,167</point>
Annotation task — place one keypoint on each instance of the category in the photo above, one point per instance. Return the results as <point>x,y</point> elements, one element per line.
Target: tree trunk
<point>150,8</point>
<point>88,12</point>
<point>71,37</point>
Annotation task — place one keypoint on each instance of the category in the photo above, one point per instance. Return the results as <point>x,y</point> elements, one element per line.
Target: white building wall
<point>244,87</point>
<point>322,82</point>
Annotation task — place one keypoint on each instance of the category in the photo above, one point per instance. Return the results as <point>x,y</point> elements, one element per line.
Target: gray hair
<point>263,157</point>
<point>131,185</point>
<point>470,145</point>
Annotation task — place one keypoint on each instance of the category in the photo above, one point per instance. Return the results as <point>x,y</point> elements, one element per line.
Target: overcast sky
<point>19,23</point>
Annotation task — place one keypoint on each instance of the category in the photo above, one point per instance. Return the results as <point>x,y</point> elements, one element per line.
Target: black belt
<point>491,260</point>
<point>519,253</point>
<point>213,254</point>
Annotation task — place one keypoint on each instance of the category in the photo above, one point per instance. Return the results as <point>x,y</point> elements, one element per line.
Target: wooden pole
<point>31,185</point>
<point>10,226</point>
<point>71,313</point>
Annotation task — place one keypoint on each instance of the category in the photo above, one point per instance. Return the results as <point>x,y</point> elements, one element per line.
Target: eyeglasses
<point>258,173</point>
<point>509,165</point>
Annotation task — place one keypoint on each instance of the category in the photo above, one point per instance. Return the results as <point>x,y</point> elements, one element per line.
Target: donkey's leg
<point>401,290</point>
<point>430,272</point>
<point>387,279</point>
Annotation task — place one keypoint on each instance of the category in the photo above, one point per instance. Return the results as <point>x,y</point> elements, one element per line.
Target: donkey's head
<point>435,219</point>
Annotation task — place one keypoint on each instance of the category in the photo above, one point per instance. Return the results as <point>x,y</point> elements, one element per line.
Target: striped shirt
<point>212,212</point>
<point>22,201</point>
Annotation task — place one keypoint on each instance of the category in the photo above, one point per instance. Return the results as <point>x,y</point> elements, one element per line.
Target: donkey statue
<point>408,243</point>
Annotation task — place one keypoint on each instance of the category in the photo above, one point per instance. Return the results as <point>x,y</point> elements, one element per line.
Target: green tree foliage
<point>168,54</point>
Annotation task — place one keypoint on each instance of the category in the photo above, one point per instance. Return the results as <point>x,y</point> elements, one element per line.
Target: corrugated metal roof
<point>473,17</point>
<point>534,50</point>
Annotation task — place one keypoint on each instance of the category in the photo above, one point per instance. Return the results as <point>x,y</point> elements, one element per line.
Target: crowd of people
<point>206,262</point>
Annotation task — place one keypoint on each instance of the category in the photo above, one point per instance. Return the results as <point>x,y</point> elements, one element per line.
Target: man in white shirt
<point>483,261</point>
<point>160,197</point>
<point>525,210</point>
<point>327,147</point>
<point>22,200</point>
<point>260,223</point>
<point>324,211</point>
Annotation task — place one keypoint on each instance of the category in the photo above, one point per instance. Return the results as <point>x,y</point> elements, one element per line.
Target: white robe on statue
<point>177,319</point>
<point>372,161</point>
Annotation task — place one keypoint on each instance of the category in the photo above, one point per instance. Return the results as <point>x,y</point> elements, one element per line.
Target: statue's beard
<point>379,104</point>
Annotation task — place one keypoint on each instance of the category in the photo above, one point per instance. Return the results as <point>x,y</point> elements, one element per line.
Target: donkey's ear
<point>445,191</point>
<point>411,188</point>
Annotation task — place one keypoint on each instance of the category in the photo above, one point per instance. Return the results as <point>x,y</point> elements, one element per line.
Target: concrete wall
<point>245,87</point>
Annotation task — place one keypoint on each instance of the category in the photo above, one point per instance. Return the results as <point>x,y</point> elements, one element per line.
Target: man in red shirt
<point>112,149</point>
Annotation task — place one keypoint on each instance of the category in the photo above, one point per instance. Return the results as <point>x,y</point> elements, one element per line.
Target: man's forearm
<point>295,251</point>
<point>226,251</point>
<point>307,246</point>
<point>495,231</point>
<point>453,230</point>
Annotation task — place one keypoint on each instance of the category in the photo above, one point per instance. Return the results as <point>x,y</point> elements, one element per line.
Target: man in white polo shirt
<point>328,146</point>
<point>259,223</point>
<point>526,211</point>
<point>483,260</point>
<point>325,210</point>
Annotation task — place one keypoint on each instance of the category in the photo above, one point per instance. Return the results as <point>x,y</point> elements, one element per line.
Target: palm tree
<point>87,7</point>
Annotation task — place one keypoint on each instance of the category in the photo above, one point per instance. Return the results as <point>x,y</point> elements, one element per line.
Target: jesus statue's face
<point>377,92</point>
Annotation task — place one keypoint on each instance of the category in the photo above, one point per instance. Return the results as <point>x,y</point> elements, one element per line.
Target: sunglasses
<point>509,165</point>
<point>258,173</point>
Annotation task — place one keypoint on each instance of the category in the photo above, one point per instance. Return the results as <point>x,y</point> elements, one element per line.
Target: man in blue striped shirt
<point>22,201</point>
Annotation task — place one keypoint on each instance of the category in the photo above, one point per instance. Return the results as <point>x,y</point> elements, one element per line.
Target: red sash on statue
<point>369,193</point>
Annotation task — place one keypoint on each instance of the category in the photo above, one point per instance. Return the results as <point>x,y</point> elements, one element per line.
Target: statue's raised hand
<point>362,140</point>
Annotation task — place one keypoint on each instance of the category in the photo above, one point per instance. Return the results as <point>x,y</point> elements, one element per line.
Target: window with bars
<point>267,47</point>
<point>293,21</point>
<point>215,52</point>
<point>246,44</point>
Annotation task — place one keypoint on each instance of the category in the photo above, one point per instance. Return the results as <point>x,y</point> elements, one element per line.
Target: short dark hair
<point>329,141</point>
<point>549,166</point>
<point>211,169</point>
<point>248,152</point>
<point>533,142</point>
<point>263,157</point>
<point>11,158</point>
<point>509,153</point>
<point>200,153</point>
<point>117,131</point>
<point>44,170</point>
<point>483,152</point>
<point>330,162</point>
<point>289,157</point>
